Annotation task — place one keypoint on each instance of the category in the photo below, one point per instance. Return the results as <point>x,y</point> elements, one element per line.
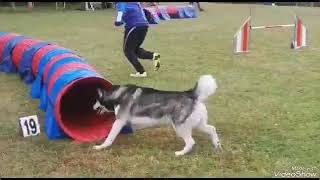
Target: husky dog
<point>143,107</point>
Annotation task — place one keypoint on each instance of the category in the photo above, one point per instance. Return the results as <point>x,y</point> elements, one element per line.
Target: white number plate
<point>30,126</point>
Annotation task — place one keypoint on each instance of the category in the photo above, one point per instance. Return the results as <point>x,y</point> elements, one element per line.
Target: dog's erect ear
<point>100,93</point>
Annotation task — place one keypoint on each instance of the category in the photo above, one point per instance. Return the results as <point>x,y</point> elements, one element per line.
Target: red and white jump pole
<point>241,38</point>
<point>299,35</point>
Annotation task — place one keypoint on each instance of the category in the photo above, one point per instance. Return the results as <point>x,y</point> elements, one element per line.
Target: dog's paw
<point>99,147</point>
<point>218,147</point>
<point>179,153</point>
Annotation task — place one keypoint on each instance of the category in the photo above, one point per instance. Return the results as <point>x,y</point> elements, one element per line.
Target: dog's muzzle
<point>100,110</point>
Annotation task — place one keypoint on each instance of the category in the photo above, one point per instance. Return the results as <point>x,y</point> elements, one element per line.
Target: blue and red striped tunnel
<point>65,84</point>
<point>156,13</point>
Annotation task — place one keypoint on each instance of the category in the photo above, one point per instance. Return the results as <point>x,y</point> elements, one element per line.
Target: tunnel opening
<point>75,112</point>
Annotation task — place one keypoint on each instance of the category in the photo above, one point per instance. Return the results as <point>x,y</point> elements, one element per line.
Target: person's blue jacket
<point>130,13</point>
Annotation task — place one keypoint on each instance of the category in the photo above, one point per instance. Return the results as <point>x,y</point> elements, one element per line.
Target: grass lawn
<point>266,109</point>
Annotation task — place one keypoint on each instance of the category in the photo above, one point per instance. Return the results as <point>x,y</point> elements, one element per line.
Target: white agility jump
<point>242,37</point>
<point>272,26</point>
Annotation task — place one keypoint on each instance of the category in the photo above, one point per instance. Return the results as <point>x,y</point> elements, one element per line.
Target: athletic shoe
<point>139,75</point>
<point>156,59</point>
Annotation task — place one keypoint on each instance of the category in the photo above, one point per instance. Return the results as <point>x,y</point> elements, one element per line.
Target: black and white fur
<point>143,107</point>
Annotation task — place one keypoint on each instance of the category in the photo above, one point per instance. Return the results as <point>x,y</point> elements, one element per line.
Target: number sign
<point>30,126</point>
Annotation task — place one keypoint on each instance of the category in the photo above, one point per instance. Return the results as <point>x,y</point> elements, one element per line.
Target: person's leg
<point>131,43</point>
<point>198,3</point>
<point>144,54</point>
<point>141,35</point>
<point>125,37</point>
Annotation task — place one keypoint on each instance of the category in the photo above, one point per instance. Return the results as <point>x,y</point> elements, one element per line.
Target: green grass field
<point>266,109</point>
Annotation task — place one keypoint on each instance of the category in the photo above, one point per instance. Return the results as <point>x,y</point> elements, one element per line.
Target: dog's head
<point>105,101</point>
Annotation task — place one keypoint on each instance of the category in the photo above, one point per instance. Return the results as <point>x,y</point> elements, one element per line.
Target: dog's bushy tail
<point>205,87</point>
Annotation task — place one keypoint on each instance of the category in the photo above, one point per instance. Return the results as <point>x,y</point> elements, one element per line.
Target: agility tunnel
<point>65,84</point>
<point>157,13</point>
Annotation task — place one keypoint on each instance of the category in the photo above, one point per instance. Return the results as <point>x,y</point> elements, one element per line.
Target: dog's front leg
<point>115,130</point>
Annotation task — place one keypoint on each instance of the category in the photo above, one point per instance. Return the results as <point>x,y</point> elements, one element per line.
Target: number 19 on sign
<point>30,126</point>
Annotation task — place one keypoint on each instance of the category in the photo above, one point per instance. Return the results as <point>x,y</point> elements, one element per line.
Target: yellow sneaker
<point>156,59</point>
<point>139,75</point>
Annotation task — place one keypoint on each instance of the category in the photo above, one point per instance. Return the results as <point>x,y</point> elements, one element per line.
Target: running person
<point>136,27</point>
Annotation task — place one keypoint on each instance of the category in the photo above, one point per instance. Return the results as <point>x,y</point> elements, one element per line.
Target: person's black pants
<point>198,4</point>
<point>133,39</point>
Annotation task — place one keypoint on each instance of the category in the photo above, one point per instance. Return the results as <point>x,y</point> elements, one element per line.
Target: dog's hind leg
<point>211,130</point>
<point>203,126</point>
<point>115,130</point>
<point>185,132</point>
